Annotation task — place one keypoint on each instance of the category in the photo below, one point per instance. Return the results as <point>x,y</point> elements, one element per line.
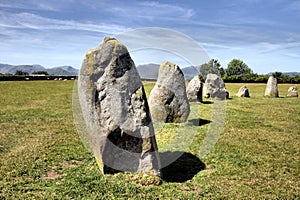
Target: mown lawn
<point>256,156</point>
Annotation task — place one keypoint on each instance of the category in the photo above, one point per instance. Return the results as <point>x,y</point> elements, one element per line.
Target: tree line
<point>22,73</point>
<point>238,71</point>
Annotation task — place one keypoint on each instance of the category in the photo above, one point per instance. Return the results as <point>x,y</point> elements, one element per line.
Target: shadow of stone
<point>279,97</point>
<point>109,170</point>
<point>181,170</point>
<point>199,122</point>
<point>207,102</point>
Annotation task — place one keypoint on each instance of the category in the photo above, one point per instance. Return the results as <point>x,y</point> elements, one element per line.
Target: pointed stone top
<point>99,58</point>
<point>114,42</point>
<point>107,38</point>
<point>169,64</point>
<point>111,40</point>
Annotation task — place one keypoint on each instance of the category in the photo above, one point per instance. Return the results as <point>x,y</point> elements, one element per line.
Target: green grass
<point>41,156</point>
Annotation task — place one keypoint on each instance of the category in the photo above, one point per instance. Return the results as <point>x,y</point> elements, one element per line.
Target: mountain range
<point>287,73</point>
<point>292,73</point>
<point>147,71</point>
<point>61,70</point>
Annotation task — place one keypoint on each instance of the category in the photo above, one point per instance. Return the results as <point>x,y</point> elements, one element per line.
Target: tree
<point>238,67</point>
<point>40,72</point>
<point>20,73</point>
<point>222,71</point>
<point>277,74</point>
<point>212,67</point>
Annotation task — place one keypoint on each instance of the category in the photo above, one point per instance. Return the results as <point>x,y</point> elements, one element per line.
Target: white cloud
<point>32,21</point>
<point>151,10</point>
<point>28,38</point>
<point>165,40</point>
<point>165,9</point>
<point>30,5</point>
<point>265,47</point>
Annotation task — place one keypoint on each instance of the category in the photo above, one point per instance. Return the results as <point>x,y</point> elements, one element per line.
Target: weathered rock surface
<point>272,87</point>
<point>243,92</point>
<point>292,91</point>
<point>214,87</point>
<point>168,100</point>
<point>194,89</point>
<point>116,111</point>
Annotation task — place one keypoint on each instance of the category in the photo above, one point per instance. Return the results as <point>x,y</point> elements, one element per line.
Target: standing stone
<point>272,87</point>
<point>168,100</point>
<point>292,91</point>
<point>194,89</point>
<point>115,110</point>
<point>214,87</point>
<point>243,92</point>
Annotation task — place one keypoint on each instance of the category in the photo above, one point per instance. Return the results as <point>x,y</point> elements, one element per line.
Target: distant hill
<point>286,73</point>
<point>148,70</point>
<point>62,70</point>
<point>151,71</point>
<point>190,72</point>
<point>70,69</point>
<point>11,69</point>
<point>292,73</point>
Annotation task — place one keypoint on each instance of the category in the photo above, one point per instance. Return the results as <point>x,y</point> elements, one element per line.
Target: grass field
<point>41,156</point>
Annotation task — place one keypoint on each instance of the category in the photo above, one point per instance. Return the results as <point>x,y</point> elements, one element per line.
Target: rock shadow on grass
<point>207,102</point>
<point>199,122</point>
<point>181,170</point>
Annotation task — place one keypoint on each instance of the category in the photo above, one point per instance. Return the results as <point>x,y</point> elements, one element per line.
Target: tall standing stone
<point>194,89</point>
<point>292,91</point>
<point>115,110</point>
<point>272,87</point>
<point>243,92</point>
<point>168,100</point>
<point>214,87</point>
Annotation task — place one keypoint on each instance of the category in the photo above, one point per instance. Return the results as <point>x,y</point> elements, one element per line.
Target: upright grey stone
<point>243,92</point>
<point>272,87</point>
<point>194,89</point>
<point>116,111</point>
<point>214,87</point>
<point>292,91</point>
<point>168,100</point>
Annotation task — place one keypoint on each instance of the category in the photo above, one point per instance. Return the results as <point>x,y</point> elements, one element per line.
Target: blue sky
<point>264,34</point>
